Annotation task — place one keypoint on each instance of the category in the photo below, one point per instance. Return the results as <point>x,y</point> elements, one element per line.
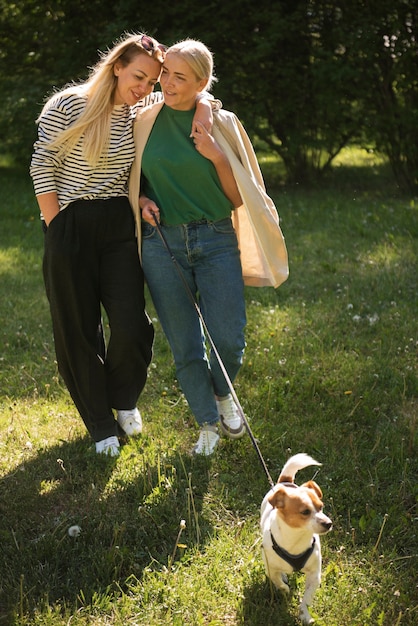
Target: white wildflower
<point>74,531</point>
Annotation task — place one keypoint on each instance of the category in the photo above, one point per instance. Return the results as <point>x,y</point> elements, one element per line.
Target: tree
<point>278,64</point>
<point>297,93</point>
<point>42,46</point>
<point>381,43</point>
<point>306,77</point>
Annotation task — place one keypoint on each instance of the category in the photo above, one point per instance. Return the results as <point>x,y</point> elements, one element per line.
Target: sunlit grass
<point>359,157</point>
<point>330,368</point>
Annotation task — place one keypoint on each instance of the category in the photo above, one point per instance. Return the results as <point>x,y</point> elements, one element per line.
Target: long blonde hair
<point>99,90</point>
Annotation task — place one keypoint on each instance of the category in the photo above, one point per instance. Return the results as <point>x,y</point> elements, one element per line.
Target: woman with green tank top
<point>188,186</point>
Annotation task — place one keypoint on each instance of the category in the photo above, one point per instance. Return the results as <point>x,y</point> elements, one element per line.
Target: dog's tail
<point>293,465</point>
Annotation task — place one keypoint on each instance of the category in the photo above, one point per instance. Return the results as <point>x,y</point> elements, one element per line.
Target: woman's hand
<point>206,144</point>
<point>149,210</point>
<point>49,206</point>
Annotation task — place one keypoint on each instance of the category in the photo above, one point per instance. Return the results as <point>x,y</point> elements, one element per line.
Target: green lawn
<point>330,369</point>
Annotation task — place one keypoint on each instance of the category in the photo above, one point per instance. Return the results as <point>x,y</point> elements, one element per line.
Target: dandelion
<point>176,545</point>
<point>74,531</point>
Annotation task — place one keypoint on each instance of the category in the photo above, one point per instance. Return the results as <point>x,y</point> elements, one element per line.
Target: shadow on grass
<point>336,379</point>
<point>128,522</point>
<point>264,605</point>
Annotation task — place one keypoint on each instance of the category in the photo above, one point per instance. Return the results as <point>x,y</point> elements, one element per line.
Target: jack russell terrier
<point>291,522</point>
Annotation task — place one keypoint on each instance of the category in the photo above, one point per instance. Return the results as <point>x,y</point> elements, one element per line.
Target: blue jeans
<point>209,258</point>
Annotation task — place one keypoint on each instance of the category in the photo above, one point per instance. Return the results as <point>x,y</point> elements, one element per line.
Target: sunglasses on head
<point>150,45</point>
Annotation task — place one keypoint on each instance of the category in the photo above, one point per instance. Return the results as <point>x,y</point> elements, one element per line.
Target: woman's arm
<point>48,204</point>
<point>46,160</point>
<point>205,105</point>
<point>203,114</point>
<point>207,146</point>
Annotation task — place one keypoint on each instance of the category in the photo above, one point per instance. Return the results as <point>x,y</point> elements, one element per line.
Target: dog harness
<point>297,561</point>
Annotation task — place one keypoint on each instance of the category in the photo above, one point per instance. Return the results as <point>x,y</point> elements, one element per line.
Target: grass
<point>330,369</point>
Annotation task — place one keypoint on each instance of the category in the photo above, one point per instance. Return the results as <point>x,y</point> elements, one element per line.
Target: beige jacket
<point>263,251</point>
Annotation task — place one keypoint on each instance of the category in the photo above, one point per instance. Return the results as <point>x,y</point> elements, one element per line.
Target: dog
<point>291,522</point>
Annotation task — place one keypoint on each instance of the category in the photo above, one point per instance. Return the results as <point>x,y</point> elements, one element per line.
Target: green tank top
<point>183,183</point>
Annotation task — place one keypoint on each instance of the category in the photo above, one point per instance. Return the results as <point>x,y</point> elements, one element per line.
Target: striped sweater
<point>71,176</point>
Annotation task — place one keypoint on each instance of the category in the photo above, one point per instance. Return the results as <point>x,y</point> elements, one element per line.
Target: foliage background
<point>307,77</point>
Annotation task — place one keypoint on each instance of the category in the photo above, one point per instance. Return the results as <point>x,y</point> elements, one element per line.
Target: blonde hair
<point>199,58</point>
<point>99,90</point>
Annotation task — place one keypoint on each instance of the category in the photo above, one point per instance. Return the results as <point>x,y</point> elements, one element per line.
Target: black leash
<point>215,351</point>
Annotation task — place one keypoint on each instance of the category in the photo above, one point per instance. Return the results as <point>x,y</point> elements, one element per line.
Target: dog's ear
<point>277,498</point>
<point>312,485</point>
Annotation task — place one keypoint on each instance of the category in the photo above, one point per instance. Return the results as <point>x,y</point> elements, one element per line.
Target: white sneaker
<point>207,442</point>
<point>108,446</point>
<point>130,421</point>
<point>230,421</point>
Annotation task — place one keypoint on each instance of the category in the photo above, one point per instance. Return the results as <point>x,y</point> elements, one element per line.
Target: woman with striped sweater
<point>80,167</point>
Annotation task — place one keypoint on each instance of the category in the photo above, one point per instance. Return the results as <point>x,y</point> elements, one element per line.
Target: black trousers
<point>91,260</point>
